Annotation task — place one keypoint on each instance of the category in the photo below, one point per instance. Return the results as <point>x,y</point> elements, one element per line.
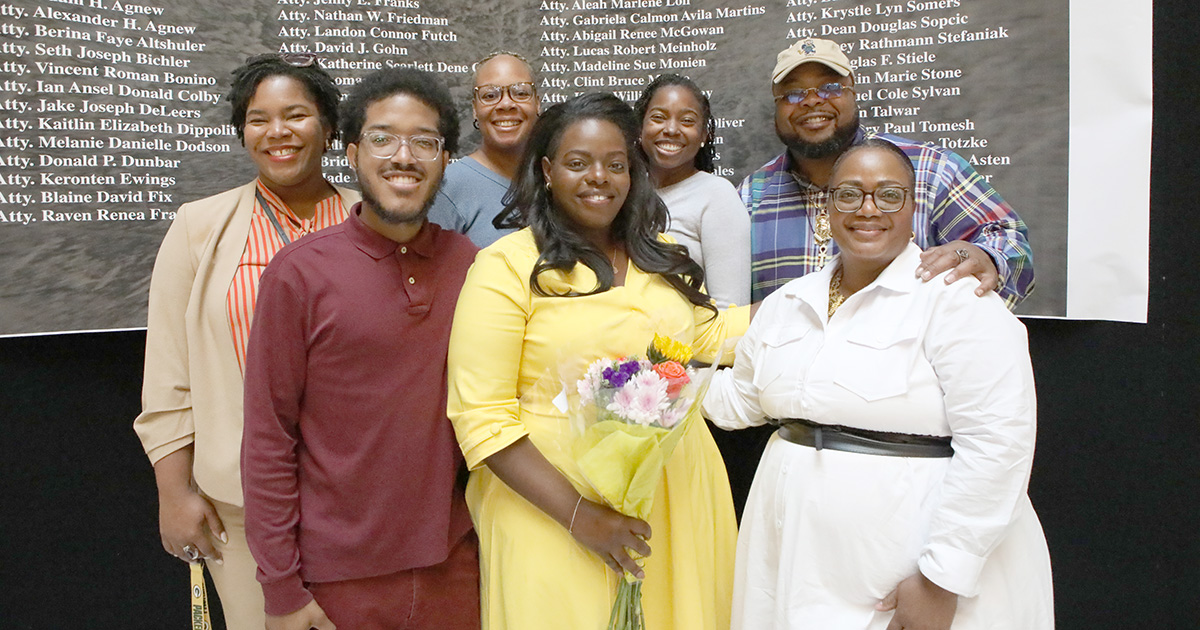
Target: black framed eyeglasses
<point>296,59</point>
<point>825,92</point>
<point>384,145</point>
<point>491,94</point>
<point>886,198</point>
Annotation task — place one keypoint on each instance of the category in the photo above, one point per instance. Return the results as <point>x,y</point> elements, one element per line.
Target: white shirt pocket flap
<point>783,335</point>
<point>875,364</point>
<point>781,355</point>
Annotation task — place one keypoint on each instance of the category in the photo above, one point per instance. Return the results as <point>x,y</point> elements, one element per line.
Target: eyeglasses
<point>886,198</point>
<point>825,92</point>
<point>491,94</point>
<point>299,59</point>
<point>296,59</point>
<point>384,145</point>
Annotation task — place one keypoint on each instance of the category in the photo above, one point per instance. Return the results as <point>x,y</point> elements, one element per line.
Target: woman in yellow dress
<point>589,278</point>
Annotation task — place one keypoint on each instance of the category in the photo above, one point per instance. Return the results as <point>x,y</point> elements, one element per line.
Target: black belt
<point>852,440</point>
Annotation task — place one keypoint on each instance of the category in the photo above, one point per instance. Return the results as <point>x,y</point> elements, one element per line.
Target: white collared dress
<point>827,534</point>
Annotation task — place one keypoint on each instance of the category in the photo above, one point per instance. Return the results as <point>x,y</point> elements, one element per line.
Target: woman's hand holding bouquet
<point>610,534</point>
<point>630,415</point>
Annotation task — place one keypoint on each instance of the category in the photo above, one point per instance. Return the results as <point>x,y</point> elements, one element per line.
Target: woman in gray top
<point>706,214</point>
<point>505,106</point>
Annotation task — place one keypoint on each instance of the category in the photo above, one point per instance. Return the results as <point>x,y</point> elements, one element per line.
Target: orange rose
<point>674,374</point>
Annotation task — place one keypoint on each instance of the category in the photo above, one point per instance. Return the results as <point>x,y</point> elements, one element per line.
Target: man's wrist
<point>998,261</point>
<point>285,596</point>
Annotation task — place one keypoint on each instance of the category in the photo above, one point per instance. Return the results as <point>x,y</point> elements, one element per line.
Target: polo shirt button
<point>403,250</point>
<point>412,280</point>
<point>496,428</point>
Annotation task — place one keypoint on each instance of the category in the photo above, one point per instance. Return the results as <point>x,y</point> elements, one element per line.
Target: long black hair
<point>708,152</point>
<point>636,226</point>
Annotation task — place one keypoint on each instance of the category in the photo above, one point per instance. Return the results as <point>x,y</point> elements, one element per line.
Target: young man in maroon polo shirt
<point>348,460</point>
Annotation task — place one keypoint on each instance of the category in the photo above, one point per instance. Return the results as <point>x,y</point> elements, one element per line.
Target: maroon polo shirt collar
<point>378,246</point>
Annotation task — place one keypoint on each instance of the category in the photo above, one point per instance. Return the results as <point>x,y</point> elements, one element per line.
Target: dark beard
<point>372,205</point>
<point>841,139</point>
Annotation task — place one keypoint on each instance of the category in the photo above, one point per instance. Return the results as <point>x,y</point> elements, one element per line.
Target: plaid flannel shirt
<point>953,203</point>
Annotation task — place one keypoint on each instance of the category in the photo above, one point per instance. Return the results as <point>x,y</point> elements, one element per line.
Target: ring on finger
<point>962,254</point>
<point>190,553</point>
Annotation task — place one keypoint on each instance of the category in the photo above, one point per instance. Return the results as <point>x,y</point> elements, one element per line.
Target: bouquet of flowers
<point>631,413</point>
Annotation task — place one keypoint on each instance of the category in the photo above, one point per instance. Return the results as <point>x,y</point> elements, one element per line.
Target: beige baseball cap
<point>822,51</point>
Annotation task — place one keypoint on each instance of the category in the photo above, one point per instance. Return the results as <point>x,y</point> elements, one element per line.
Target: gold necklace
<point>835,292</point>
<point>822,233</point>
<point>822,230</point>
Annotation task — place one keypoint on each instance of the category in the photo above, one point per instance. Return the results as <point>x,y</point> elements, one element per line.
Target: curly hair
<point>636,226</point>
<point>316,82</point>
<point>381,84</point>
<point>708,152</point>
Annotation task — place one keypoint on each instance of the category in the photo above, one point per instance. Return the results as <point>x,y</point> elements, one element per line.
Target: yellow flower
<point>665,349</point>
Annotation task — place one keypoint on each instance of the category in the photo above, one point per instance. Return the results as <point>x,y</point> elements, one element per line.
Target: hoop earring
<point>475,123</point>
<point>547,185</point>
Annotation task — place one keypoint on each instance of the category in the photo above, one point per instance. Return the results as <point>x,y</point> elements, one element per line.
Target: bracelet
<point>571,528</point>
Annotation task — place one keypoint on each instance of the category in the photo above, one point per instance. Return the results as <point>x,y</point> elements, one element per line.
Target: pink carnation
<point>642,400</point>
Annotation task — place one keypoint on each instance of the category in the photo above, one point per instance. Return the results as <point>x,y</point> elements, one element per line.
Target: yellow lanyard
<point>200,620</point>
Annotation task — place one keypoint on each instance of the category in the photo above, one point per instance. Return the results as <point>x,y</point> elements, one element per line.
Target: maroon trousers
<point>441,597</point>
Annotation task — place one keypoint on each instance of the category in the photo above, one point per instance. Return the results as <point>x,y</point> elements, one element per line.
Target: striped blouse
<point>262,244</point>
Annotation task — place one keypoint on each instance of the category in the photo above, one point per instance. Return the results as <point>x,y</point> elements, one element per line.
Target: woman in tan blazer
<point>201,305</point>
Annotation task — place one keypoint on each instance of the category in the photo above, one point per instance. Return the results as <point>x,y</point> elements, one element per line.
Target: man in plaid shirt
<point>960,221</point>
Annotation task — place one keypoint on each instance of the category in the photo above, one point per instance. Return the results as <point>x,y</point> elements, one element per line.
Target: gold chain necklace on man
<point>822,233</point>
<point>835,292</point>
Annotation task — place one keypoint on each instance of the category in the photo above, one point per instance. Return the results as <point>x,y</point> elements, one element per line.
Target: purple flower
<point>621,375</point>
<point>614,378</point>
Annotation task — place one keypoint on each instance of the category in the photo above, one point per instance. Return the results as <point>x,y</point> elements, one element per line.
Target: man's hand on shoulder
<point>966,259</point>
<point>311,616</point>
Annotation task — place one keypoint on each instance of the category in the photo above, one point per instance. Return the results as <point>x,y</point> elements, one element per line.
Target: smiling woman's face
<point>868,237</point>
<point>672,132</point>
<point>505,125</point>
<point>589,176</point>
<point>284,133</point>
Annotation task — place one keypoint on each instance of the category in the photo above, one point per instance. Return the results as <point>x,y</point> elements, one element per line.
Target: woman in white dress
<point>893,496</point>
<point>706,214</point>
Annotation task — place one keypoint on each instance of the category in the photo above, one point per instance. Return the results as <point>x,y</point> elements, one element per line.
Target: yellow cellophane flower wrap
<point>623,461</point>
